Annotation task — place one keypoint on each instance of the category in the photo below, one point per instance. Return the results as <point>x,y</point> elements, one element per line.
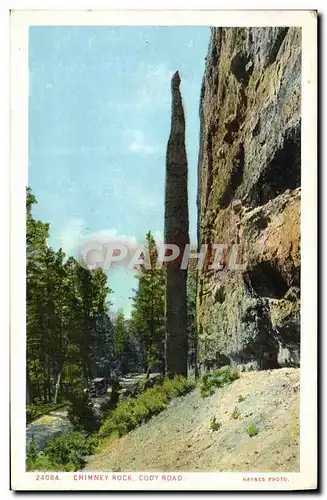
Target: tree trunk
<point>176,232</point>
<point>55,399</point>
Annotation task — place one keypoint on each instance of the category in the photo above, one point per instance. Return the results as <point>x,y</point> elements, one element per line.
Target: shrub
<point>241,398</point>
<point>214,424</point>
<point>31,455</point>
<point>218,378</point>
<point>168,388</point>
<point>178,386</point>
<point>132,412</point>
<point>181,385</point>
<point>236,414</point>
<point>154,400</point>
<point>65,453</point>
<point>253,430</point>
<point>43,463</point>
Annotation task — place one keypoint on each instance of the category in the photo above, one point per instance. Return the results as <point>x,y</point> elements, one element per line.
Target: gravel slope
<point>180,439</point>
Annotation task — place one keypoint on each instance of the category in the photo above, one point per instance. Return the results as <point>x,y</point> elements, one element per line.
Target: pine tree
<point>147,319</point>
<point>67,323</point>
<point>120,332</point>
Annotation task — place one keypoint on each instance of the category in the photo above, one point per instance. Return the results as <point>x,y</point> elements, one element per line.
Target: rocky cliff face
<point>249,194</point>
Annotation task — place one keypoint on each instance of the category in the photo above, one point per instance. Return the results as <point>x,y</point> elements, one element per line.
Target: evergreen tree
<point>147,319</point>
<point>119,332</point>
<point>68,329</point>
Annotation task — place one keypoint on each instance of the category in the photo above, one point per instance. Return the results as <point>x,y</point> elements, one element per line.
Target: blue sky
<point>99,120</point>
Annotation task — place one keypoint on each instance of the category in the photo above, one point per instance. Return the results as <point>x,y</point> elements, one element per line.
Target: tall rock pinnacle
<point>176,232</point>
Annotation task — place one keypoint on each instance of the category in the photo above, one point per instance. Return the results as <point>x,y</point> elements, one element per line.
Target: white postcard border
<point>20,22</point>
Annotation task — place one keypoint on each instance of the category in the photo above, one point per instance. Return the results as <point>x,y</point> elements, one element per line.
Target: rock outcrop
<point>176,233</point>
<point>249,194</point>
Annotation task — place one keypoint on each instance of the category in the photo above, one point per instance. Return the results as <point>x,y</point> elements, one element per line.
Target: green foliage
<point>34,411</point>
<point>65,453</point>
<point>253,430</point>
<point>128,350</point>
<point>214,424</point>
<point>236,413</point>
<point>177,386</point>
<point>241,398</point>
<point>217,378</point>
<point>67,321</point>
<point>148,313</point>
<point>119,332</point>
<point>81,414</point>
<point>134,411</point>
<point>31,455</point>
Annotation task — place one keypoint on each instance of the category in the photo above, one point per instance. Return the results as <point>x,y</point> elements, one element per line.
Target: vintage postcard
<point>163,250</point>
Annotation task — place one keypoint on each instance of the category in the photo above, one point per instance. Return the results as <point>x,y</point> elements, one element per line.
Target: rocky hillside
<point>183,438</point>
<point>249,194</point>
